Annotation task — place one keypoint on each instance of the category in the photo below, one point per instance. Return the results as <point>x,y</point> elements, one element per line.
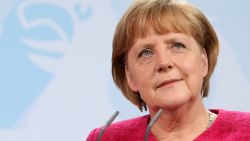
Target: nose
<point>164,61</point>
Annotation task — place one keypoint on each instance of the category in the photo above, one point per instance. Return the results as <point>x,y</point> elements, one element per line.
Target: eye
<point>145,53</point>
<point>178,45</point>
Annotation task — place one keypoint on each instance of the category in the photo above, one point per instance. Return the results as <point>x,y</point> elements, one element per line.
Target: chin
<point>172,103</point>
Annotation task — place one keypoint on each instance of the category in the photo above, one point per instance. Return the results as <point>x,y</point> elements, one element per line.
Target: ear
<point>130,80</point>
<point>204,60</point>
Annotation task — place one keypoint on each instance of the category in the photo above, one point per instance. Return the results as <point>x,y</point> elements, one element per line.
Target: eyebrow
<point>167,40</point>
<point>147,45</point>
<point>174,39</point>
<point>177,38</point>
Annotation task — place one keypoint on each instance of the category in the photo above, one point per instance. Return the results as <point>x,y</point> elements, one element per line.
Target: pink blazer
<point>229,126</point>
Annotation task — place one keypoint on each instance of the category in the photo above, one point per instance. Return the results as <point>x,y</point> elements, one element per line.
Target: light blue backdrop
<point>55,78</point>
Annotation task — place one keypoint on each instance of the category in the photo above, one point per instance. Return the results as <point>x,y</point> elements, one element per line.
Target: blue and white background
<point>55,65</point>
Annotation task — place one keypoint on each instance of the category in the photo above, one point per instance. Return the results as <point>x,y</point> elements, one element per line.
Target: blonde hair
<point>163,16</point>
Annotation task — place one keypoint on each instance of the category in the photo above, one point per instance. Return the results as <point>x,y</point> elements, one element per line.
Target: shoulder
<point>229,125</point>
<point>134,127</point>
<point>235,117</point>
<point>231,119</point>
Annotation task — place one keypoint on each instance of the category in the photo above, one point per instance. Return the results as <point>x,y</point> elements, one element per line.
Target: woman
<point>164,53</point>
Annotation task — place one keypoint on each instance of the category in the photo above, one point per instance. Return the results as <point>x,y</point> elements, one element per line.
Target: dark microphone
<point>151,123</point>
<point>106,125</point>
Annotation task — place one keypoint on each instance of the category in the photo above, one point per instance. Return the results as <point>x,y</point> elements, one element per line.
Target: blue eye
<point>178,45</point>
<point>145,53</point>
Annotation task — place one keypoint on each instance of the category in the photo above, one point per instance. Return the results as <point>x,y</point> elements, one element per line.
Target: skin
<point>168,70</point>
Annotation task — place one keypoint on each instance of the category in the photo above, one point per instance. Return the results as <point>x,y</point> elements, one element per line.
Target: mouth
<point>169,82</point>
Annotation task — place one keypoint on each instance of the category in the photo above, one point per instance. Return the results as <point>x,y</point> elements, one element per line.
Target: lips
<point>167,82</point>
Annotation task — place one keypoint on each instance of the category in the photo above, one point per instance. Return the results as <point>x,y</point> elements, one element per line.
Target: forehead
<point>167,23</point>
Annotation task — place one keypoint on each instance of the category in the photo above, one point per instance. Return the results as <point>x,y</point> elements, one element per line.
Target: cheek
<point>193,66</point>
<point>143,73</point>
<point>194,73</point>
<point>144,80</point>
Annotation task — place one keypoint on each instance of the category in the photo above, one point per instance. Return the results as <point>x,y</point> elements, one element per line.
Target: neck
<point>185,122</point>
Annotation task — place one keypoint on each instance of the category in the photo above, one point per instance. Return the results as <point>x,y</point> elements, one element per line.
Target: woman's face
<point>167,70</point>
